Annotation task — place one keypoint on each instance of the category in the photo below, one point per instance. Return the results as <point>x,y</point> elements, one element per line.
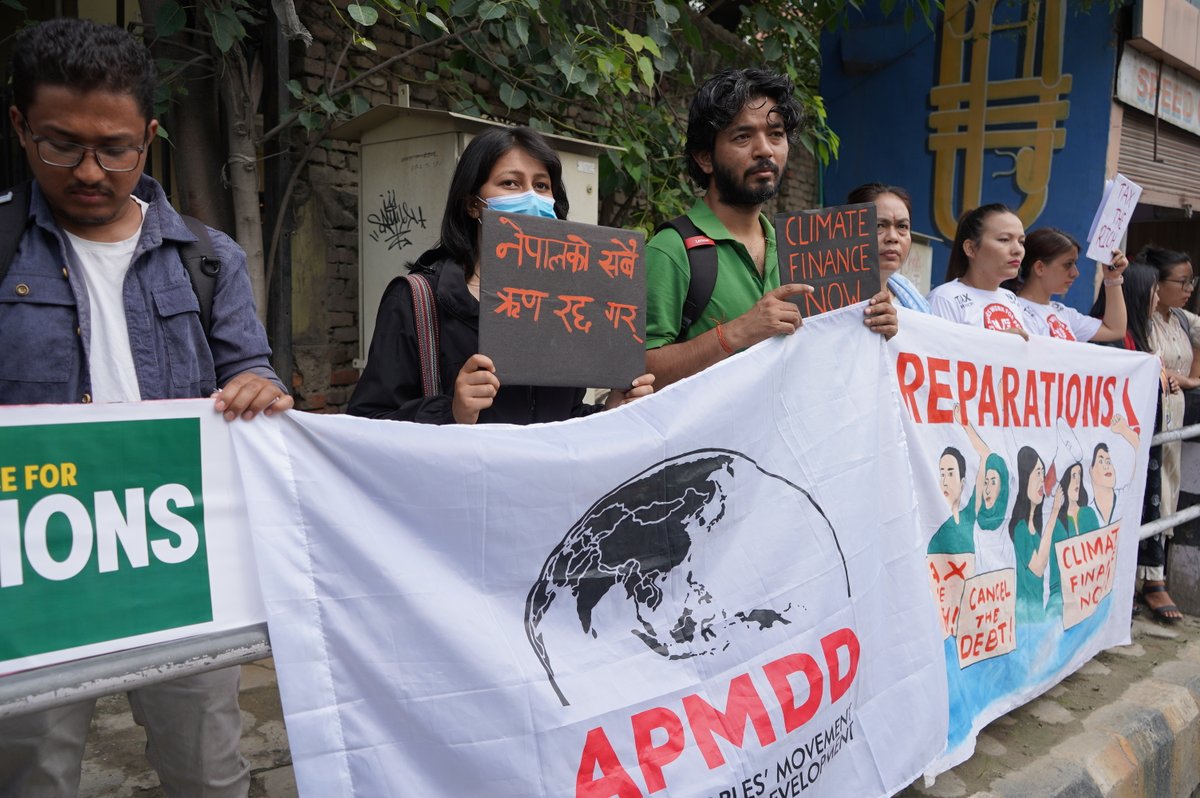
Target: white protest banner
<point>1112,218</point>
<point>685,596</point>
<point>120,526</point>
<point>1029,458</point>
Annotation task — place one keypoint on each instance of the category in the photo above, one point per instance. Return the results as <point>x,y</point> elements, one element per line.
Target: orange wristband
<point>721,340</point>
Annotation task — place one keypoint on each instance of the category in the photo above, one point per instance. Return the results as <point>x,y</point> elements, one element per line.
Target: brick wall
<point>324,245</point>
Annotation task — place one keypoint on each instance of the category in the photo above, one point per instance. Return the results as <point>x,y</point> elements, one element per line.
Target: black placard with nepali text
<point>562,303</point>
<point>835,250</point>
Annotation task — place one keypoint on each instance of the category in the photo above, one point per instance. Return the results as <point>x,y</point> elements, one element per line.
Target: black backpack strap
<point>702,260</point>
<point>202,266</point>
<point>198,257</point>
<point>14,219</point>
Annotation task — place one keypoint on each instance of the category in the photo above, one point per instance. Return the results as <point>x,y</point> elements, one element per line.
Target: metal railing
<point>58,685</point>
<point>1180,516</point>
<point>79,680</point>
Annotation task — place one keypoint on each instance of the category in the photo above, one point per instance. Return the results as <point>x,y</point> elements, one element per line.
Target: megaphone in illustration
<point>1067,451</point>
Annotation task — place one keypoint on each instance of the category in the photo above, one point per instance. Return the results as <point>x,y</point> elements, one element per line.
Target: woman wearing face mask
<point>893,212</point>
<point>987,251</point>
<point>1049,268</point>
<point>512,170</point>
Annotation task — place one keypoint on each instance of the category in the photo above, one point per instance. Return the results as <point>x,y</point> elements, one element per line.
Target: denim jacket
<point>45,319</point>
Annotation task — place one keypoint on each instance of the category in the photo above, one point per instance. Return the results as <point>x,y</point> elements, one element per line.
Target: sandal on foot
<point>1162,613</point>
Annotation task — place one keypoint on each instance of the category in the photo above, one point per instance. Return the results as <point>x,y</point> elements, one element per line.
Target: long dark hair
<point>1027,460</point>
<point>1065,484</point>
<point>1162,259</point>
<point>970,228</point>
<point>1044,244</point>
<point>869,192</point>
<point>1139,283</point>
<point>460,230</point>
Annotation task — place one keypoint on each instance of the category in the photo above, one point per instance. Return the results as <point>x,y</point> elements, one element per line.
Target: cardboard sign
<point>562,303</point>
<point>986,626</point>
<point>835,250</point>
<point>1112,218</point>
<point>1087,564</point>
<point>948,575</point>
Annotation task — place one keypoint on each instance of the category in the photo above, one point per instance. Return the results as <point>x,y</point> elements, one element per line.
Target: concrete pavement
<point>115,765</point>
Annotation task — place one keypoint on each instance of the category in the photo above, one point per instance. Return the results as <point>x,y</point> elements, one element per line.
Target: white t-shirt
<point>110,358</point>
<point>1057,321</point>
<point>991,310</point>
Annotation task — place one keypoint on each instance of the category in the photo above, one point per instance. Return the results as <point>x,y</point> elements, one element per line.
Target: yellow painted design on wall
<point>1015,117</point>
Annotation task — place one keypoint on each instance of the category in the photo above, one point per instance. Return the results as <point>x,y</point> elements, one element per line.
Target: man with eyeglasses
<point>97,306</point>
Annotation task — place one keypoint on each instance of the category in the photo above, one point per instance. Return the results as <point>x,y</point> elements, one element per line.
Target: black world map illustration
<point>639,555</point>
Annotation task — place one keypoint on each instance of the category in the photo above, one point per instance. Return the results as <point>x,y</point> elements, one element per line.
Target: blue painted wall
<point>876,79</point>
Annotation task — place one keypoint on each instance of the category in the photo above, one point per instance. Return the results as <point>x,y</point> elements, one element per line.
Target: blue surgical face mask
<point>529,203</point>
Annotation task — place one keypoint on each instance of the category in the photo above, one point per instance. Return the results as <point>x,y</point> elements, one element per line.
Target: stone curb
<point>1145,744</point>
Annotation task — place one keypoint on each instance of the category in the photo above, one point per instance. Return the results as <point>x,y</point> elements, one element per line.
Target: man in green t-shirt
<point>739,132</point>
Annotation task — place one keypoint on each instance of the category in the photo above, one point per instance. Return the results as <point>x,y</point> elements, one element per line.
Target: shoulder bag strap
<point>426,322</point>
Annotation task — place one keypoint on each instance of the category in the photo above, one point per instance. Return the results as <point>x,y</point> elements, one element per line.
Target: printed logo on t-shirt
<point>1059,328</point>
<point>1000,317</point>
<point>964,301</point>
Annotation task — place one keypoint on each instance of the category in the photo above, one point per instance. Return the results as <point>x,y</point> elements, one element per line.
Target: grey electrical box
<point>407,158</point>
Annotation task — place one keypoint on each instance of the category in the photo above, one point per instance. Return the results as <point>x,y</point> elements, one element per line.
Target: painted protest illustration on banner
<point>562,303</point>
<point>107,541</point>
<point>1026,530</point>
<point>1088,564</point>
<point>949,574</point>
<point>835,250</point>
<point>720,614</point>
<point>1112,218</point>
<point>985,617</point>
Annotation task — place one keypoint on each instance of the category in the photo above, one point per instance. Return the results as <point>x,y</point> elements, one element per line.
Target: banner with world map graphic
<point>719,590</point>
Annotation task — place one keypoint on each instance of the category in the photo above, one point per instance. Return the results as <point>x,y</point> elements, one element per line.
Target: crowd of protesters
<point>83,115</point>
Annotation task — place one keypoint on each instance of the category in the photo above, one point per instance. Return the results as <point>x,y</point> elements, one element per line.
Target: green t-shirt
<point>1088,521</point>
<point>1061,533</point>
<point>1030,586</point>
<point>668,275</point>
<point>956,537</point>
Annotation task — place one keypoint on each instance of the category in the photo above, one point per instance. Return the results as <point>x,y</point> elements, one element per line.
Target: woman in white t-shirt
<point>1049,268</point>
<point>987,251</point>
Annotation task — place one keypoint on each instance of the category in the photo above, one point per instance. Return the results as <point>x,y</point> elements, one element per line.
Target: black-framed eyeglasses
<point>1184,283</point>
<point>68,154</point>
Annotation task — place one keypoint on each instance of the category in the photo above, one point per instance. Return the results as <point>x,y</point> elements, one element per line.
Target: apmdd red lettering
<point>659,736</point>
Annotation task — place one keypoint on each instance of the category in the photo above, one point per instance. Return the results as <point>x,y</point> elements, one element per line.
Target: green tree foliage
<point>619,72</point>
